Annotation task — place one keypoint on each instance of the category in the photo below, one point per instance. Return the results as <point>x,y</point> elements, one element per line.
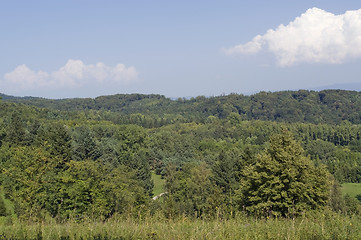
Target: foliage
<point>89,188</point>
<point>328,106</point>
<point>3,210</point>
<point>78,159</point>
<point>336,202</point>
<point>352,206</point>
<point>282,182</point>
<point>191,192</point>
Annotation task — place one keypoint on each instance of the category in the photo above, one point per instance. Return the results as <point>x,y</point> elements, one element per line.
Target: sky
<point>89,48</point>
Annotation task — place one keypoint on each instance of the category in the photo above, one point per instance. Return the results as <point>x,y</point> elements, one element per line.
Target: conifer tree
<point>16,129</point>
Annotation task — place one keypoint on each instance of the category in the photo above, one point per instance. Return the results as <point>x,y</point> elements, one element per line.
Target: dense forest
<point>328,106</point>
<point>268,155</point>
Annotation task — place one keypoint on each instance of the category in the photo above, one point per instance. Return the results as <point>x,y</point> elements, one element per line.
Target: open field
<point>352,189</point>
<point>158,184</point>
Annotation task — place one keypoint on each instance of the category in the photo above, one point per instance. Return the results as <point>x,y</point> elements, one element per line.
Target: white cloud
<point>23,77</point>
<point>75,74</point>
<point>316,36</point>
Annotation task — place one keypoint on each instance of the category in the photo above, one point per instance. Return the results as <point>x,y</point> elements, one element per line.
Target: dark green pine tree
<point>56,139</point>
<point>16,131</point>
<point>282,181</point>
<point>133,152</point>
<point>84,144</point>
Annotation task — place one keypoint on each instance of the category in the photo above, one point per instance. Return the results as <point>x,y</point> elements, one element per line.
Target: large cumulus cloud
<point>316,36</point>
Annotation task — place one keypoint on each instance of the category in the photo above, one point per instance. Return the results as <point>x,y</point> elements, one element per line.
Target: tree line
<point>327,106</point>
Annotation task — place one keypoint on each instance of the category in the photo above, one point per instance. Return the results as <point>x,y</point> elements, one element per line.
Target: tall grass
<point>322,225</point>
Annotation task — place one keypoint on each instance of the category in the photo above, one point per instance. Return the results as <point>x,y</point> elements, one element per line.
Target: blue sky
<point>88,48</point>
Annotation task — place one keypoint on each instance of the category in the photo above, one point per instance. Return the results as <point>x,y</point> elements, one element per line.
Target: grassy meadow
<point>352,189</point>
<point>158,184</point>
<point>324,225</point>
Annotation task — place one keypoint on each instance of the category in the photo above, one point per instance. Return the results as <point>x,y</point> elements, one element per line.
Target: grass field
<point>158,184</point>
<point>323,225</point>
<point>352,189</point>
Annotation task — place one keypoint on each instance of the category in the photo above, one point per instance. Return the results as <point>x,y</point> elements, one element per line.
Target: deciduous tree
<point>282,181</point>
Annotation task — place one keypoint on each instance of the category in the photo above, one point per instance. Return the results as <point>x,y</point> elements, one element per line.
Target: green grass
<point>352,189</point>
<point>158,184</point>
<point>324,225</point>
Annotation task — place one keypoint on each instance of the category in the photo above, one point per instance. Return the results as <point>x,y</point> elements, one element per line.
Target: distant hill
<point>340,86</point>
<point>327,106</point>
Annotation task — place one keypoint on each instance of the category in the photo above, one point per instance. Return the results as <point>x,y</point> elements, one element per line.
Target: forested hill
<point>97,161</point>
<point>328,106</point>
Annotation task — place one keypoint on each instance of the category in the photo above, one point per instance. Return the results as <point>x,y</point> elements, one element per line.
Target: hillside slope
<point>328,106</point>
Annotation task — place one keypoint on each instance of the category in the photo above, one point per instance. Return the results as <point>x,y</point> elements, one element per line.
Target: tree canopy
<point>269,154</point>
<point>283,181</point>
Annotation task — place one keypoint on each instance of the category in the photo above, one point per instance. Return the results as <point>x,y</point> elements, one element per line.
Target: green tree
<point>352,205</point>
<point>282,181</point>
<point>336,202</point>
<point>132,150</point>
<point>123,191</point>
<point>84,144</point>
<point>16,130</point>
<point>92,188</point>
<point>3,211</point>
<point>191,191</point>
<point>56,139</point>
<point>226,172</point>
<point>27,181</point>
